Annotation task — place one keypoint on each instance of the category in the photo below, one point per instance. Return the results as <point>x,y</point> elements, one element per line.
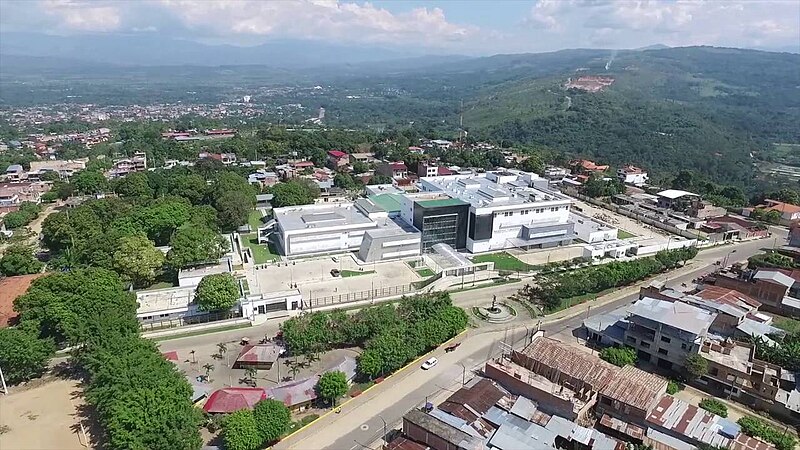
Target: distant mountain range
<point>143,50</point>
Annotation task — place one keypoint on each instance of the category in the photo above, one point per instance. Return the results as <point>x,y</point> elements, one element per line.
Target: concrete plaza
<point>314,279</point>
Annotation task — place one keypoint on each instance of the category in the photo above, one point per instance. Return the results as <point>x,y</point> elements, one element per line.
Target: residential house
<point>438,434</point>
<point>337,159</point>
<point>224,158</point>
<point>124,166</point>
<point>296,395</point>
<point>633,175</point>
<point>777,291</point>
<point>586,167</point>
<point>631,394</point>
<point>430,169</point>
<point>665,333</point>
<point>15,173</point>
<point>364,158</point>
<point>65,169</point>
<point>789,213</point>
<point>396,170</point>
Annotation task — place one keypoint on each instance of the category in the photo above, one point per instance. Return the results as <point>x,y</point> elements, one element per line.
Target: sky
<point>464,27</point>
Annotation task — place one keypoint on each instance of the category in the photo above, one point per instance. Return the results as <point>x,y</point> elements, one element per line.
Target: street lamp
<point>725,261</point>
<point>463,374</point>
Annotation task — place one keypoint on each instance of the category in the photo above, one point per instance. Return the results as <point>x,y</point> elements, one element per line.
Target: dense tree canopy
<point>22,354</point>
<point>293,192</point>
<point>138,260</point>
<point>194,244</point>
<point>272,419</point>
<point>19,260</point>
<point>332,385</point>
<point>217,292</point>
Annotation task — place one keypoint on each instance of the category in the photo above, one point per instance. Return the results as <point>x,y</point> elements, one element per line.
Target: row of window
<point>535,211</point>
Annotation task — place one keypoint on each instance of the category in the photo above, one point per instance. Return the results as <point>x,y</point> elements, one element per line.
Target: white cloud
<point>680,22</point>
<point>84,15</point>
<point>320,19</point>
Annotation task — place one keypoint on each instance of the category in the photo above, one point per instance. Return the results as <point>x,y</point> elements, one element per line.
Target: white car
<point>429,363</point>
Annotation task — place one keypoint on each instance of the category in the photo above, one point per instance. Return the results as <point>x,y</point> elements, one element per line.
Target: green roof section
<point>441,202</point>
<point>389,202</point>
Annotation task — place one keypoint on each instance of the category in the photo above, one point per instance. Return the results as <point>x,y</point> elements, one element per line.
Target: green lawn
<point>787,324</point>
<point>503,261</point>
<point>355,273</point>
<point>254,219</point>
<point>622,234</point>
<point>261,253</point>
<point>577,300</point>
<point>297,424</point>
<point>425,273</point>
<point>162,285</point>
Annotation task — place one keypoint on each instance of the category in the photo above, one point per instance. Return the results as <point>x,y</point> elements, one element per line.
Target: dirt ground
<point>45,416</point>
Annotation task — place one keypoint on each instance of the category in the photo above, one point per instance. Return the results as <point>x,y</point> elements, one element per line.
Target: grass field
<point>261,253</point>
<point>787,324</point>
<point>503,261</point>
<point>425,273</point>
<point>355,273</point>
<point>622,234</point>
<point>254,219</point>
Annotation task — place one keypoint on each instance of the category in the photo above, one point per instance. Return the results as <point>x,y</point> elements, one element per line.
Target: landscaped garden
<point>355,273</point>
<point>622,234</point>
<point>391,336</point>
<point>504,261</point>
<point>261,253</point>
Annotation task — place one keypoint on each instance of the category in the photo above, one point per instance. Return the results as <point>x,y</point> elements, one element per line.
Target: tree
<point>272,419</point>
<point>532,164</point>
<point>619,356</point>
<point>134,185</point>
<point>345,181</point>
<point>22,354</point>
<point>240,431</point>
<point>378,178</point>
<point>19,260</point>
<point>696,366</point>
<point>193,244</point>
<point>217,292</point>
<point>89,182</point>
<point>208,368</point>
<point>138,260</point>
<point>332,385</point>
<point>233,208</point>
<point>294,192</point>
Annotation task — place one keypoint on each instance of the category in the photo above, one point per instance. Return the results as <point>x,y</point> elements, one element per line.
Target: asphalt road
<point>364,424</point>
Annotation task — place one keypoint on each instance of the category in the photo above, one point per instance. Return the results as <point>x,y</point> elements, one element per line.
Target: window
<point>666,339</point>
<point>631,339</point>
<point>645,344</point>
<point>684,346</point>
<point>662,351</point>
<point>508,213</point>
<point>713,371</point>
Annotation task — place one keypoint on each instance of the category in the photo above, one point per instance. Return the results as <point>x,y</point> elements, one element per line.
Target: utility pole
<point>3,380</point>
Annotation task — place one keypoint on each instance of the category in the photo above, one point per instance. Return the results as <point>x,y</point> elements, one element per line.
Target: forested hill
<point>698,108</point>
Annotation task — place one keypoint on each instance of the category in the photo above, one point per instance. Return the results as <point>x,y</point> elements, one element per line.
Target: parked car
<point>335,272</point>
<point>429,363</point>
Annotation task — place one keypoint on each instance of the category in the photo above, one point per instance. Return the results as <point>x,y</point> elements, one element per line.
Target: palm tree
<point>251,372</point>
<point>208,368</point>
<point>222,348</point>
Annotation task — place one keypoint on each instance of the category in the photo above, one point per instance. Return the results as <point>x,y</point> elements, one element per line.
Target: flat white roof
<point>675,193</point>
<point>481,192</point>
<point>164,299</point>
<point>315,217</point>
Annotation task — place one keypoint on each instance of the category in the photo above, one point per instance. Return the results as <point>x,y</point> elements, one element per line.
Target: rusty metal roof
<point>570,361</point>
<point>635,387</point>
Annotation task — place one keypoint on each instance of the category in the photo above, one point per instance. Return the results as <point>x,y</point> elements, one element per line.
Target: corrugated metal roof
<point>232,399</point>
<point>570,361</point>
<point>775,277</point>
<point>689,420</point>
<point>635,387</point>
<point>295,392</point>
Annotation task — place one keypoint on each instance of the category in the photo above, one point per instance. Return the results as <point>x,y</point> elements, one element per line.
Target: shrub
<point>619,356</point>
<point>696,366</point>
<point>752,426</point>
<point>673,387</point>
<point>714,406</point>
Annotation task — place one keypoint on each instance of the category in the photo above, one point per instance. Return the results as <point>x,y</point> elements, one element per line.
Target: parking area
<point>544,256</point>
<point>314,279</point>
<point>640,230</point>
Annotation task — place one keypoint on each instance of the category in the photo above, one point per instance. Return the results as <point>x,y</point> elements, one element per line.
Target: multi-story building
<point>430,169</point>
<point>665,333</point>
<point>508,209</point>
<point>734,371</point>
<point>632,175</point>
<point>395,170</point>
<point>125,166</point>
<point>337,159</point>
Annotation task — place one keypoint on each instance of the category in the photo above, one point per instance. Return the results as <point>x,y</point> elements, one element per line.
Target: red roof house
<point>228,400</point>
<point>337,159</point>
<point>295,394</point>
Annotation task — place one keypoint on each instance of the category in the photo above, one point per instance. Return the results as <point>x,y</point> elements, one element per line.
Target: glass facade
<point>436,229</point>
